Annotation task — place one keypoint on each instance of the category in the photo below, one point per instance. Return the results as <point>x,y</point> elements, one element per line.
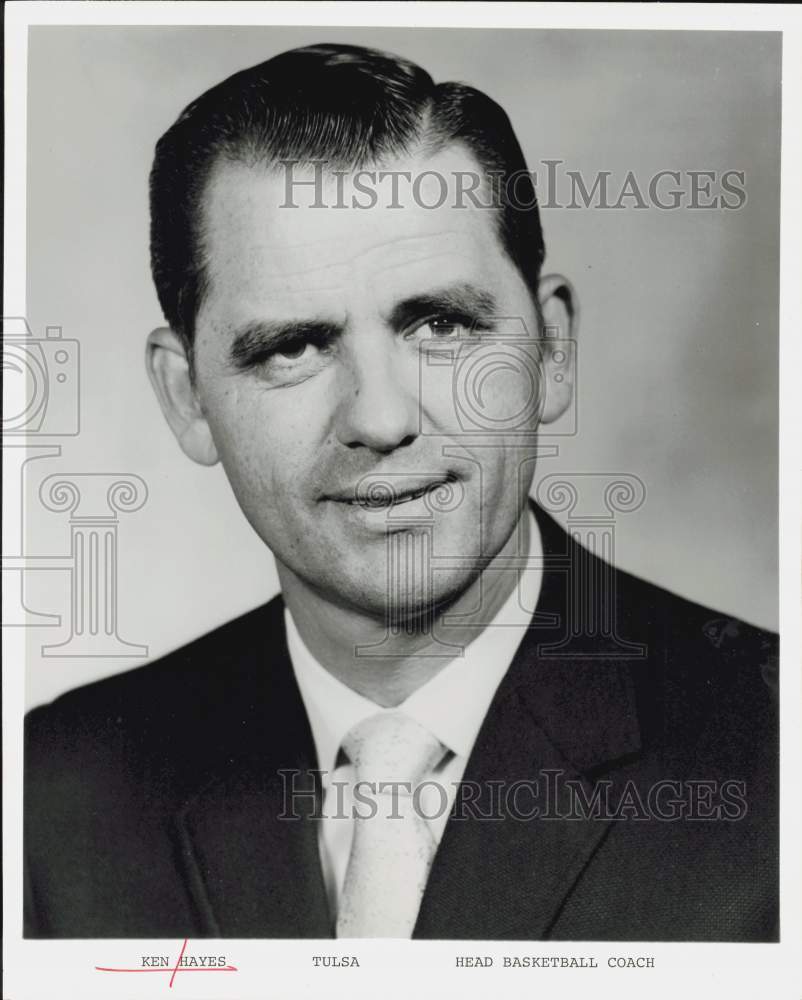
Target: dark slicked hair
<point>349,106</point>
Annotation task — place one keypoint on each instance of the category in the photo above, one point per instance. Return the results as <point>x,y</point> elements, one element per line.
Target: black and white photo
<point>397,496</point>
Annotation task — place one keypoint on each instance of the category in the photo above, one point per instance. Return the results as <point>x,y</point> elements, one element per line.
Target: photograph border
<point>268,968</point>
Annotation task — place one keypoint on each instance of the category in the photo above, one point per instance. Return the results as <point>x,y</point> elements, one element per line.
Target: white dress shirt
<point>452,706</point>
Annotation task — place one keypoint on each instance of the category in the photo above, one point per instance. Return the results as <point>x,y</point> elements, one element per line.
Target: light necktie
<point>392,851</point>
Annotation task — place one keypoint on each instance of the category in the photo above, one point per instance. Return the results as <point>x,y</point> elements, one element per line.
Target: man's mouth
<point>381,493</point>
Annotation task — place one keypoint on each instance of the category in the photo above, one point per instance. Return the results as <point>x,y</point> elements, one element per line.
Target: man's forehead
<point>304,240</point>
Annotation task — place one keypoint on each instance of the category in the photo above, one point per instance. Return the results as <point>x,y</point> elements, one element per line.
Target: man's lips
<point>380,492</point>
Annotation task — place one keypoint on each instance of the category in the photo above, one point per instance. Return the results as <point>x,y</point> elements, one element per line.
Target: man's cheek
<point>437,400</point>
<point>240,427</point>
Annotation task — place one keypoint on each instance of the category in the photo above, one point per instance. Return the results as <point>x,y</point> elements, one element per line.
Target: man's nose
<point>379,405</point>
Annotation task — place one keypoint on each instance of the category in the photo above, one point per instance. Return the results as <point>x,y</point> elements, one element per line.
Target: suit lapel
<point>253,873</point>
<point>554,722</point>
<point>248,845</point>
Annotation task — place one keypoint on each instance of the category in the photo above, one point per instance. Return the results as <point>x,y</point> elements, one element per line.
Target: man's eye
<point>292,351</point>
<point>445,328</point>
<point>297,349</point>
<point>291,363</point>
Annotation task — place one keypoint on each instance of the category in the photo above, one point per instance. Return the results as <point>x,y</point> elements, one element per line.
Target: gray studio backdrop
<point>678,349</point>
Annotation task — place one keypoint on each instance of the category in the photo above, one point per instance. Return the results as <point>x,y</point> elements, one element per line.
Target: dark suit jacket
<point>153,799</point>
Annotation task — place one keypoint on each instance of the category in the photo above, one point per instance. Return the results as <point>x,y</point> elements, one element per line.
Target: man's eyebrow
<point>463,299</point>
<point>258,339</point>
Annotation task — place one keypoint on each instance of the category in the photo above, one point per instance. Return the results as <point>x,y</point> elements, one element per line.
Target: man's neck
<point>409,659</point>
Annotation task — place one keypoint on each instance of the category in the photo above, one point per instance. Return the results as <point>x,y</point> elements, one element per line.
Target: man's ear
<point>168,368</point>
<point>558,308</point>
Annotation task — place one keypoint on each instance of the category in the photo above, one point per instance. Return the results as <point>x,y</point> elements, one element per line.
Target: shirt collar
<point>453,704</point>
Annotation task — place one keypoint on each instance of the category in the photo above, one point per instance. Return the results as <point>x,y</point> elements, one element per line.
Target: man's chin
<point>402,576</point>
<point>400,596</point>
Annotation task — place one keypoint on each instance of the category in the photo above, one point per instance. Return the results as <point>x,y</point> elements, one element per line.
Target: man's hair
<point>345,105</point>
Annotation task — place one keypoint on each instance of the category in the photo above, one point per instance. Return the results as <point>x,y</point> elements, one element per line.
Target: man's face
<point>326,358</point>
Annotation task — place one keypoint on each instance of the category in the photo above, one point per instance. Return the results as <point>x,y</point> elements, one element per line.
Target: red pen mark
<point>183,949</point>
<point>178,967</point>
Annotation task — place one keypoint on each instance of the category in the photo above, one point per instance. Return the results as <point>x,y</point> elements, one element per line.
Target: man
<point>349,260</point>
